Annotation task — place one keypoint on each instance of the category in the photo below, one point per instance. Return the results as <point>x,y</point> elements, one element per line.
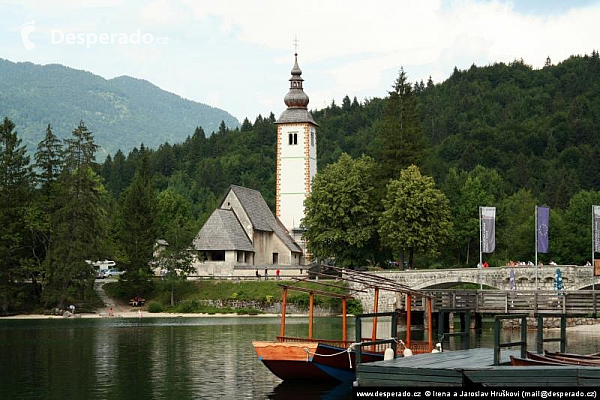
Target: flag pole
<point>480,253</point>
<point>593,250</point>
<point>536,248</point>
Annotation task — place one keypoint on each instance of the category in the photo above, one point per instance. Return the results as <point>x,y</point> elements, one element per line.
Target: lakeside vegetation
<point>503,135</point>
<point>192,296</point>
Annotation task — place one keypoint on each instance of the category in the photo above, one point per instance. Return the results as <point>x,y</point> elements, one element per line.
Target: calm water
<point>178,358</point>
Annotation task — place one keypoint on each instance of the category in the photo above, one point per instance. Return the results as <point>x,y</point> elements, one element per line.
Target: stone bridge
<point>574,277</point>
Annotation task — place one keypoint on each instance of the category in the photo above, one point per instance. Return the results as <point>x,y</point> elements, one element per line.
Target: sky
<point>237,55</point>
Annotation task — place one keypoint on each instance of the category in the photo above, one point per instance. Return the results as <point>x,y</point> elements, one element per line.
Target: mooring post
<point>358,338</point>
<point>311,303</point>
<point>344,322</point>
<point>540,334</point>
<point>523,337</point>
<point>375,308</point>
<point>429,324</point>
<point>408,307</point>
<point>283,307</point>
<point>563,333</point>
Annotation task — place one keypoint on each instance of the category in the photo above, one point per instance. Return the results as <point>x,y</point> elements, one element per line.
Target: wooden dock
<point>473,367</point>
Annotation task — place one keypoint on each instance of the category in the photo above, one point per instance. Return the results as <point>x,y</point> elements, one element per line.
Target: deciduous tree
<point>416,215</point>
<point>342,212</point>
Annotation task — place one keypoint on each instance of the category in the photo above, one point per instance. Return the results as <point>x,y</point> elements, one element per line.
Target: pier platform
<point>471,368</point>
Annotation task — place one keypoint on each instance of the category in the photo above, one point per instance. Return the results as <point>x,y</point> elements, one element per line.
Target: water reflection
<point>302,391</point>
<point>176,357</point>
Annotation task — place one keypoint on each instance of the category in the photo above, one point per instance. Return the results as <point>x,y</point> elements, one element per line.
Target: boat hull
<point>310,360</point>
<point>340,364</point>
<point>290,361</point>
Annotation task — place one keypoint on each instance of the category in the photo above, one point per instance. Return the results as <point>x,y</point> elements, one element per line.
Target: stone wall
<point>268,307</point>
<point>549,322</point>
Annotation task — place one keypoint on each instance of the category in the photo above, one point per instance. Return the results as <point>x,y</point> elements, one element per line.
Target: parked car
<point>113,272</point>
<point>101,274</point>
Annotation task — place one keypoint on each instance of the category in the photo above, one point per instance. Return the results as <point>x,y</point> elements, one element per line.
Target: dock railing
<point>540,333</point>
<point>391,341</point>
<point>464,334</point>
<point>497,328</point>
<point>574,302</point>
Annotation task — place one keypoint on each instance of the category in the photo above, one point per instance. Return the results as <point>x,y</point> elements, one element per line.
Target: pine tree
<point>48,160</point>
<point>16,181</point>
<point>174,220</point>
<point>223,128</point>
<point>400,141</point>
<point>78,224</point>
<point>246,125</point>
<point>136,231</point>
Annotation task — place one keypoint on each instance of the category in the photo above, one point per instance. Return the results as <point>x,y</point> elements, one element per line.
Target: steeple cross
<point>295,41</point>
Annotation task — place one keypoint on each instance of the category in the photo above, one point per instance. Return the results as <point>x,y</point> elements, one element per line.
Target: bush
<point>249,311</point>
<point>353,306</point>
<point>188,306</point>
<point>155,307</point>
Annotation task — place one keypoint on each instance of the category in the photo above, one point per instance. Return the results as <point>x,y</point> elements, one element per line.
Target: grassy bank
<point>189,295</point>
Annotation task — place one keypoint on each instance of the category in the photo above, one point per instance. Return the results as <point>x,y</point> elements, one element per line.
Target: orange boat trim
<point>296,351</point>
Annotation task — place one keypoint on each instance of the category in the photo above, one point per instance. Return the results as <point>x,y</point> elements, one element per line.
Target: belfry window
<point>293,138</point>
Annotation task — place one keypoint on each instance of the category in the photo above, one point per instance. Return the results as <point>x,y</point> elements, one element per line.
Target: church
<point>242,235</point>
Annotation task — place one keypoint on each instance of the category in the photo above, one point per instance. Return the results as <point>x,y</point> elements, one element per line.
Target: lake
<point>178,358</point>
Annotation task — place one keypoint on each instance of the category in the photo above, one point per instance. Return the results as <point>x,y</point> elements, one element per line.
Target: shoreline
<point>145,314</point>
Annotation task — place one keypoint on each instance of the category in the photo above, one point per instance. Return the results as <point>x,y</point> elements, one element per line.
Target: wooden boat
<point>308,358</point>
<point>527,362</point>
<point>560,360</point>
<point>587,357</point>
<point>290,361</point>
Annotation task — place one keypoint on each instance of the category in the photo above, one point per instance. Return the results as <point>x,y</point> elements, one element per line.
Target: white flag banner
<point>488,229</point>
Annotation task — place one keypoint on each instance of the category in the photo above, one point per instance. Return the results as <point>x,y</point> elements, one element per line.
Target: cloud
<point>219,49</point>
<point>375,37</point>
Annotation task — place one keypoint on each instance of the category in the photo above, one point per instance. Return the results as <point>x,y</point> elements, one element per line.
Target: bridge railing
<point>578,302</point>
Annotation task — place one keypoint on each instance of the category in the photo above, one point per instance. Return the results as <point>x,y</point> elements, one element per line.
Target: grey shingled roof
<point>261,216</point>
<point>255,206</point>
<point>222,231</point>
<point>296,115</point>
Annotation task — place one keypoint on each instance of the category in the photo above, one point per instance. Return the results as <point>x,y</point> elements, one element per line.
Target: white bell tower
<point>296,156</point>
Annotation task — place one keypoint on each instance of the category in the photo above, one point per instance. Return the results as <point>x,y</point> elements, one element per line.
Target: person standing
<point>277,273</point>
<point>266,274</point>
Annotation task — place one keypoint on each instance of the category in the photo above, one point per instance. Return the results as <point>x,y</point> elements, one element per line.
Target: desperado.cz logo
<point>25,31</point>
<point>89,39</point>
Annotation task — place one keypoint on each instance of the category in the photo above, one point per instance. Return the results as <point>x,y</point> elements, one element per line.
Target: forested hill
<point>122,112</point>
<point>503,135</point>
<point>539,128</point>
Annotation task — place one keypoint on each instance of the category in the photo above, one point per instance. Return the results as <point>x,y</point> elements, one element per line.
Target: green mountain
<point>503,135</point>
<point>121,112</point>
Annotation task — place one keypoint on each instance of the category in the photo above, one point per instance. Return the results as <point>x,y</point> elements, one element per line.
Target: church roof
<point>296,115</point>
<point>261,216</point>
<point>296,100</point>
<point>255,206</point>
<point>222,231</point>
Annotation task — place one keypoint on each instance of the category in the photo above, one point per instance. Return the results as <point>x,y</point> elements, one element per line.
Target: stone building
<point>243,234</point>
<point>296,156</point>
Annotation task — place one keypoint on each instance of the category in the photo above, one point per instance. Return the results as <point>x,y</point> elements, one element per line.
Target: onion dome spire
<point>296,98</point>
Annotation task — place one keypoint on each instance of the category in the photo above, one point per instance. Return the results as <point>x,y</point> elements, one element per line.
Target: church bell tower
<point>296,156</point>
